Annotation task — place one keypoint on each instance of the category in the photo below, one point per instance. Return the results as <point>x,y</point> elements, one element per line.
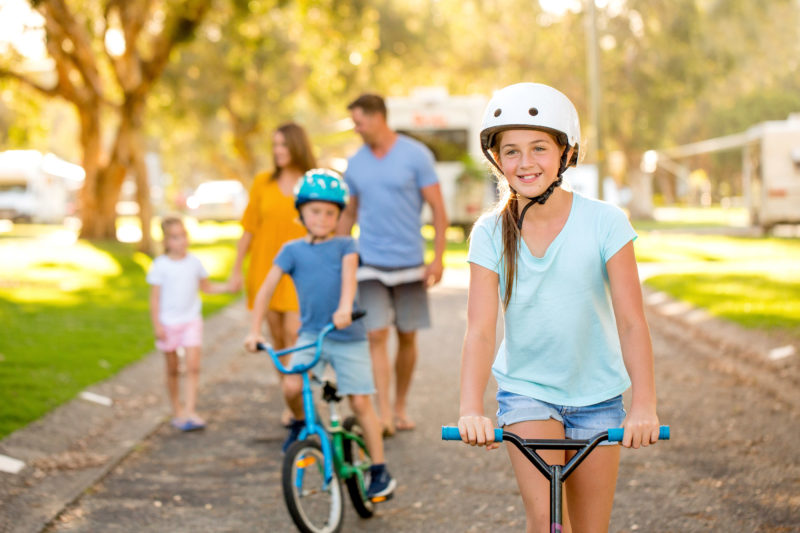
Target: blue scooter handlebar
<point>614,434</point>
<point>451,433</point>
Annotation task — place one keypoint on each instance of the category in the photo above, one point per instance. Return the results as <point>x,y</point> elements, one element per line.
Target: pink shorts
<point>186,334</point>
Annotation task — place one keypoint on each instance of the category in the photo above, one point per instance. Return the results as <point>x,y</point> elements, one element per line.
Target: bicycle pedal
<point>381,499</point>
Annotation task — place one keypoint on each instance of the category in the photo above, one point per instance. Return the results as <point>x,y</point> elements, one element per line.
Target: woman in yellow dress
<point>269,221</point>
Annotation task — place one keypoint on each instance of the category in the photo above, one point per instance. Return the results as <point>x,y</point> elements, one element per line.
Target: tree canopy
<point>672,71</point>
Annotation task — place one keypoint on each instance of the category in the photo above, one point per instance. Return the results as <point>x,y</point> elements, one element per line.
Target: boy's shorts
<point>186,335</point>
<point>349,359</point>
<point>579,422</point>
<point>405,305</point>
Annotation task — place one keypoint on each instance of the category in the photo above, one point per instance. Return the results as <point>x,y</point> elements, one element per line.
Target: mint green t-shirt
<point>561,343</point>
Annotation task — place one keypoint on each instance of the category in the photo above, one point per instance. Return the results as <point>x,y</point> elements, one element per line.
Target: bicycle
<point>313,468</point>
<point>557,474</point>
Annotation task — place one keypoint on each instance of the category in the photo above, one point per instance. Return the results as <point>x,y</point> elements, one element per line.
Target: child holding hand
<point>323,269</point>
<point>175,310</point>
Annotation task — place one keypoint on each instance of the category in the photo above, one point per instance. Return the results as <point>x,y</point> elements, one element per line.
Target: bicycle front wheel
<point>357,457</point>
<point>315,507</point>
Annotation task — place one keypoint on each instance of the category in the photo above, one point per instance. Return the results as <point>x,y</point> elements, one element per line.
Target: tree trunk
<point>94,225</point>
<point>142,193</point>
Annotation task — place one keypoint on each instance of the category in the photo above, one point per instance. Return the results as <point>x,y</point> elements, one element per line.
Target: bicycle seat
<point>330,393</point>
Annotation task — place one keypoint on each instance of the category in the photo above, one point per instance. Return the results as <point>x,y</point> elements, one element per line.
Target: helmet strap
<point>542,198</point>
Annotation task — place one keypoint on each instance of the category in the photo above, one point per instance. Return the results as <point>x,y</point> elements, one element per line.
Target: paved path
<point>731,466</point>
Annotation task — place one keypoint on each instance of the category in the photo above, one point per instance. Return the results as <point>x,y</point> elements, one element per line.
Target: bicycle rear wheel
<point>314,507</point>
<point>357,456</point>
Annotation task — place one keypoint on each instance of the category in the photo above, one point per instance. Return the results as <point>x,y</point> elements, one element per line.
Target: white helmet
<point>531,106</point>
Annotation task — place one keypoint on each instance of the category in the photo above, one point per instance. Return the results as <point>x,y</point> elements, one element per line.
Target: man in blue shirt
<point>390,178</point>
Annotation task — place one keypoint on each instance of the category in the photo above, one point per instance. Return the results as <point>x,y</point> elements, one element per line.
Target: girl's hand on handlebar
<point>477,430</point>
<point>342,318</point>
<point>641,429</point>
<point>252,340</point>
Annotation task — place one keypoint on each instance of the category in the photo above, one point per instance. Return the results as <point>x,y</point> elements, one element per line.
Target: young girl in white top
<point>563,268</point>
<point>175,308</point>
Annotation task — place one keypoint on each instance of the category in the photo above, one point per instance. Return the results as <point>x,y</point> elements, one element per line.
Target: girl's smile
<point>529,159</point>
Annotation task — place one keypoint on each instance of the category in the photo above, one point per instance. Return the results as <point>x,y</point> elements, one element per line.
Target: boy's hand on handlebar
<point>342,318</point>
<point>641,429</point>
<point>252,340</point>
<point>477,430</point>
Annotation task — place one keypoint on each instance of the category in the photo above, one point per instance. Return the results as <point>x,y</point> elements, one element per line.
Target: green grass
<point>754,300</point>
<point>75,313</point>
<point>754,282</point>
<point>693,218</point>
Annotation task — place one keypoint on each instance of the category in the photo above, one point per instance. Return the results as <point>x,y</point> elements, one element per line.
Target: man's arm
<point>348,218</point>
<point>432,194</point>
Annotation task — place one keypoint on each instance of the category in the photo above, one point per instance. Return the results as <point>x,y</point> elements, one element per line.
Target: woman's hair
<point>168,222</point>
<point>300,151</point>
<point>508,207</point>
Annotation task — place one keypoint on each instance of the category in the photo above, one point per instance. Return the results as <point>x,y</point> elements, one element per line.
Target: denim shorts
<point>579,422</point>
<point>350,360</point>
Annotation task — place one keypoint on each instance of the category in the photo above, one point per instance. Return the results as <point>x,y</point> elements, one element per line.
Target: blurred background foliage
<point>672,71</point>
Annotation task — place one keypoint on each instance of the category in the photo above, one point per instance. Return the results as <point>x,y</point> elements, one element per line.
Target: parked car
<point>218,200</point>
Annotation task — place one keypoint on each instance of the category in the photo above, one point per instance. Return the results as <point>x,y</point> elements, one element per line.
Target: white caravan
<point>450,127</point>
<point>36,187</point>
<point>771,172</point>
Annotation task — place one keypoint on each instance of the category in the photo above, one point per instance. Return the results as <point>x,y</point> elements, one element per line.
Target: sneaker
<point>382,483</point>
<point>295,427</point>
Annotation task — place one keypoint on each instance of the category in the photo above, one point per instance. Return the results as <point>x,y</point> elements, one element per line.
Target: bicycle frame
<point>556,474</point>
<point>331,440</point>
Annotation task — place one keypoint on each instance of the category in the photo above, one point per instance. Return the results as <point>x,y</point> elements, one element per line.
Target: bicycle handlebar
<point>299,369</point>
<point>614,434</point>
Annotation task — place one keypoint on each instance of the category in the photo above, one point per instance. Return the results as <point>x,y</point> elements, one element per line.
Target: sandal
<point>188,424</point>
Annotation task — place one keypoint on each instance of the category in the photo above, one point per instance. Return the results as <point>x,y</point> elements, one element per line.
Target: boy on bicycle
<point>323,269</point>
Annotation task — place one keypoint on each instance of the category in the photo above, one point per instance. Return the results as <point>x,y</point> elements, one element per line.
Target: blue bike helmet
<point>321,185</point>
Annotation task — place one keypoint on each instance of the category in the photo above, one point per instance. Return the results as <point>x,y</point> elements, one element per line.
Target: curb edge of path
<point>71,448</point>
<point>745,353</point>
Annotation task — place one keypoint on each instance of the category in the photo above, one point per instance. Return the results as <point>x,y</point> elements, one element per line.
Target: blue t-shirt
<point>316,270</point>
<point>390,201</point>
<point>561,343</point>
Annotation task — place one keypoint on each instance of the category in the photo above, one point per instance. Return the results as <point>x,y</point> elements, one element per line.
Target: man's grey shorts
<point>404,306</point>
